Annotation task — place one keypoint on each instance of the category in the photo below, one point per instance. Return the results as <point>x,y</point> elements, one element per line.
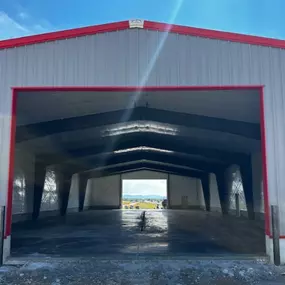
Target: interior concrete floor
<point>118,232</point>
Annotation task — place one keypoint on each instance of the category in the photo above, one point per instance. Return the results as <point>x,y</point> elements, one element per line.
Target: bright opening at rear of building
<point>144,194</point>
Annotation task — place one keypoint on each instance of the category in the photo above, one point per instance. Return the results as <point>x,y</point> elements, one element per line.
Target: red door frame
<point>16,90</point>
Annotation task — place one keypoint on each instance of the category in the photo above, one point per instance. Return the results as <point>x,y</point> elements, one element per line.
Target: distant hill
<point>143,197</point>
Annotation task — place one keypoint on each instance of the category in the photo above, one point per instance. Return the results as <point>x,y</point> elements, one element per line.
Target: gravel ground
<point>141,272</point>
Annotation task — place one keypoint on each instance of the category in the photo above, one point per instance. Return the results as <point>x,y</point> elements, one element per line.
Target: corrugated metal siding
<point>106,191</point>
<point>183,192</point>
<point>154,58</point>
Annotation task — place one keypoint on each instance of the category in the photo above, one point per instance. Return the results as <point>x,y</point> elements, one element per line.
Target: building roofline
<point>147,25</point>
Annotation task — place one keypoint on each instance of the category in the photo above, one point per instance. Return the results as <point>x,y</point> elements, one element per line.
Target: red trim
<point>212,34</point>
<point>281,237</point>
<point>11,165</point>
<point>148,25</point>
<point>134,89</point>
<point>264,163</point>
<point>67,34</point>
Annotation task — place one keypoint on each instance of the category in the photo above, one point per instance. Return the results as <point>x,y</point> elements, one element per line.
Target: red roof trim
<point>61,35</point>
<point>148,25</point>
<point>134,88</point>
<point>219,35</point>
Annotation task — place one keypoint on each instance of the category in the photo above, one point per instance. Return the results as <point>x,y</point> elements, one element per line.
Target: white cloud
<point>11,28</point>
<point>145,187</point>
<point>24,15</point>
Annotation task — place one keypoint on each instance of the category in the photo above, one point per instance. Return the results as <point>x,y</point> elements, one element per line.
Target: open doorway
<point>178,138</point>
<point>147,194</point>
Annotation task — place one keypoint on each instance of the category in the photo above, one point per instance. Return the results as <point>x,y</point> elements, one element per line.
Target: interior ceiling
<point>225,121</point>
<point>145,150</point>
<point>32,106</point>
<point>143,161</point>
<point>144,165</point>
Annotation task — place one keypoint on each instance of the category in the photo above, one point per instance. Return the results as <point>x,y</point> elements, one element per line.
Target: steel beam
<point>179,145</point>
<point>33,131</point>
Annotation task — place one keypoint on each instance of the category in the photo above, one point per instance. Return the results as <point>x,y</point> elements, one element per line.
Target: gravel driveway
<point>141,272</point>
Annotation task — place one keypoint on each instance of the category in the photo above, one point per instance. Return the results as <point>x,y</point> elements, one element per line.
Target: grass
<point>145,205</point>
<point>142,205</point>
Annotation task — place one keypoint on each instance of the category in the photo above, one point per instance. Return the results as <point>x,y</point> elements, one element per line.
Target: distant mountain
<point>143,197</point>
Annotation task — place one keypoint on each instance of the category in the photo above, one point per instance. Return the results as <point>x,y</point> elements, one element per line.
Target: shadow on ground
<point>115,232</point>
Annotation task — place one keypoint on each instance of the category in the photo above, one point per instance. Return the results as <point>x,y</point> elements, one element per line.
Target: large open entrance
<point>75,147</point>
<point>144,194</point>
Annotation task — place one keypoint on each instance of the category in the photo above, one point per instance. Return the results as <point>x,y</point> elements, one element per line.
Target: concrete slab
<point>116,232</point>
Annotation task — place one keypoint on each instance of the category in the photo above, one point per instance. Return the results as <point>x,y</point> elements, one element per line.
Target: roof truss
<point>33,131</point>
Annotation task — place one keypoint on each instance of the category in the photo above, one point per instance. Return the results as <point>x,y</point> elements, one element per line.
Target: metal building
<point>235,82</point>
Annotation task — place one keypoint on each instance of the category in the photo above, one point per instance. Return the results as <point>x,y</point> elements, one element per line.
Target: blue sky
<point>257,17</point>
<point>145,187</point>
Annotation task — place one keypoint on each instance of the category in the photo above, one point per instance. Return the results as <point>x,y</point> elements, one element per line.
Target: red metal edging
<point>61,35</point>
<point>134,88</point>
<point>212,34</point>
<point>148,25</point>
<point>15,90</point>
<point>11,165</point>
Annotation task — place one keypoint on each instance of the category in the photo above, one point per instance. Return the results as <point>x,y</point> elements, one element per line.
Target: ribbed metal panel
<point>135,57</point>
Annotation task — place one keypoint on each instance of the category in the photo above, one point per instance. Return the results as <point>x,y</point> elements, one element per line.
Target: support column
<point>40,175</point>
<point>83,179</point>
<point>168,205</point>
<point>64,183</point>
<point>246,175</point>
<point>257,183</point>
<point>223,190</point>
<point>206,191</point>
<point>28,167</point>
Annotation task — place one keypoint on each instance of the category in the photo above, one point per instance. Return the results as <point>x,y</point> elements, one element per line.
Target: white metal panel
<point>129,58</point>
<point>88,194</point>
<point>215,203</point>
<point>200,193</point>
<point>106,191</point>
<point>73,198</point>
<point>181,186</point>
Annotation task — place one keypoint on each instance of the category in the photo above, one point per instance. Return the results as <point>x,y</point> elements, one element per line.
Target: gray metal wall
<point>147,57</point>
